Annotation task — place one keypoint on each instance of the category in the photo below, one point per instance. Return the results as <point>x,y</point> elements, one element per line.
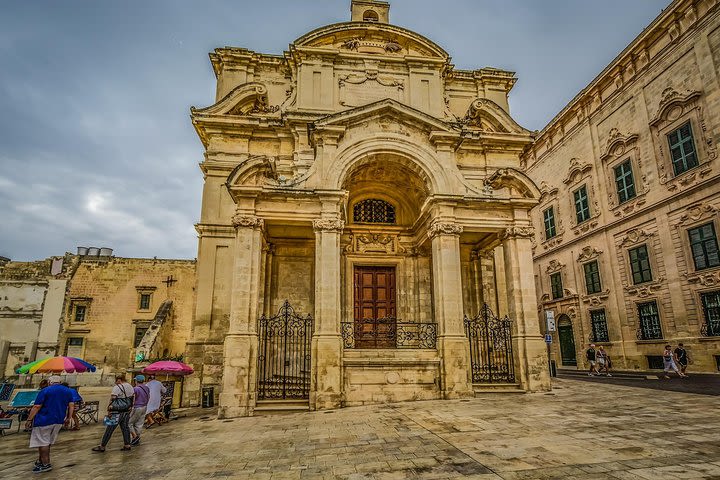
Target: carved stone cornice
<point>588,253</point>
<point>328,225</point>
<point>635,236</point>
<point>516,232</point>
<point>240,220</point>
<point>444,228</point>
<point>644,290</point>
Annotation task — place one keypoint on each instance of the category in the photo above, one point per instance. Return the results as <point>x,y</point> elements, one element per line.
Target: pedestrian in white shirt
<point>157,390</point>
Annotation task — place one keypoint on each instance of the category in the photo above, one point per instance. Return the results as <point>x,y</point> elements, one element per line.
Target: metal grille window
<point>582,204</point>
<point>640,265</point>
<point>373,210</point>
<point>592,277</point>
<point>598,323</point>
<point>624,181</point>
<point>649,321</point>
<point>556,285</point>
<point>682,149</point>
<point>704,246</point>
<point>549,221</point>
<point>711,309</point>
<point>80,313</point>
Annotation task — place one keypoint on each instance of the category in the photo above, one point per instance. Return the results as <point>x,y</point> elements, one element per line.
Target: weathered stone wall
<point>667,77</point>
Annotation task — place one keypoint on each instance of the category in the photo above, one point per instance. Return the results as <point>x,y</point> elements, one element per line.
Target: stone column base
<point>326,389</point>
<point>238,394</point>
<point>455,372</point>
<point>534,372</point>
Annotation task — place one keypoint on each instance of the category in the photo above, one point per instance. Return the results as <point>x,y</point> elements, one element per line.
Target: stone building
<point>120,312</point>
<point>626,248</point>
<point>32,296</point>
<point>361,197</point>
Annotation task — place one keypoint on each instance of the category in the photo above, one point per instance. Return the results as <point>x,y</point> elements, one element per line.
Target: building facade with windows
<point>362,197</point>
<point>626,243</point>
<point>121,312</point>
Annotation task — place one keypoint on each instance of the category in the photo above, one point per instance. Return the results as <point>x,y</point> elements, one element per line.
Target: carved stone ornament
<point>697,212</point>
<point>709,279</point>
<point>646,289</point>
<point>553,242</point>
<point>588,253</point>
<point>576,171</point>
<point>240,220</point>
<point>635,236</point>
<point>517,232</point>
<point>442,228</point>
<point>596,299</point>
<point>554,266</point>
<point>328,225</point>
<point>362,45</point>
<point>373,243</point>
<point>618,144</point>
<point>586,226</point>
<point>547,192</point>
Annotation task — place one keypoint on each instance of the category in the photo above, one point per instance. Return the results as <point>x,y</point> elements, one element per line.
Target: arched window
<point>370,16</point>
<point>373,210</point>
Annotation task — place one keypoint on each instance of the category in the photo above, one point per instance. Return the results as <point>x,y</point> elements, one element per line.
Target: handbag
<point>121,404</point>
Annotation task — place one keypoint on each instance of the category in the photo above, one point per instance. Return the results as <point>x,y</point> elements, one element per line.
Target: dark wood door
<point>374,310</point>
<point>567,345</point>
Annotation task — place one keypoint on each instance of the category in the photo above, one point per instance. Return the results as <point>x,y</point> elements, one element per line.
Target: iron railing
<point>491,347</point>
<point>388,332</point>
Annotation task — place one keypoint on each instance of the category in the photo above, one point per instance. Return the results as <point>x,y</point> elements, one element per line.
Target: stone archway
<point>566,339</point>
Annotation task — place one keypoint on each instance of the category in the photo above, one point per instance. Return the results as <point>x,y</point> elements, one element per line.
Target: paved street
<point>703,384</point>
<point>579,431</point>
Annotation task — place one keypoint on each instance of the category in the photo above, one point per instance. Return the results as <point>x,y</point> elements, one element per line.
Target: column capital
<point>516,232</point>
<point>240,220</point>
<point>438,227</point>
<point>328,225</point>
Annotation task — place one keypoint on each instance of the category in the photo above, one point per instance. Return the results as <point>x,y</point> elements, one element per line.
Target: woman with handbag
<point>121,402</point>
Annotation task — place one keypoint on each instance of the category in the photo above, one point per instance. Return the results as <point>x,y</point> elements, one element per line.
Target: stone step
<point>584,373</point>
<point>270,407</point>
<point>480,388</point>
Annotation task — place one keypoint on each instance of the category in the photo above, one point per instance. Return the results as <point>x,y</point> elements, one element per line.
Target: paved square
<point>580,430</point>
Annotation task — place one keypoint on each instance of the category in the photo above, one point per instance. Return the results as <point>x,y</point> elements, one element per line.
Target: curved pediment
<point>371,38</point>
<point>488,116</point>
<point>514,180</point>
<point>246,99</point>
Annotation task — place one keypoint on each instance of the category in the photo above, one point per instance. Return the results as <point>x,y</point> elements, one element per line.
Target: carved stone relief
<point>554,266</point>
<point>444,228</point>
<point>635,236</point>
<point>373,243</point>
<point>240,220</point>
<point>646,289</point>
<point>596,299</point>
<point>588,253</point>
<point>708,279</point>
<point>328,225</point>
<point>697,212</point>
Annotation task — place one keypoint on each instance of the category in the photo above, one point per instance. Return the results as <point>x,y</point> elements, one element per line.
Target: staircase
<point>274,407</point>
<point>483,388</point>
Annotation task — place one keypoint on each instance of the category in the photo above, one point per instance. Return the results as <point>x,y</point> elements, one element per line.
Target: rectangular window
<point>549,221</point>
<point>682,149</point>
<point>592,277</point>
<point>655,362</point>
<point>139,334</point>
<point>711,309</point>
<point>556,285</point>
<point>79,315</point>
<point>582,204</point>
<point>74,347</point>
<point>649,321</point>
<point>599,326</point>
<point>144,301</point>
<point>704,246</point>
<point>624,181</point>
<point>640,265</point>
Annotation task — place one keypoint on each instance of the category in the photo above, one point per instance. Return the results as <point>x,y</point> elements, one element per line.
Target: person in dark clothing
<point>590,354</point>
<point>682,357</point>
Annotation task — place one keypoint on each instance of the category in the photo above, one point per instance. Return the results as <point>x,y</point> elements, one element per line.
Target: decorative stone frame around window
<point>646,334</point>
<point>78,310</point>
<point>579,174</point>
<point>633,238</point>
<point>709,320</point>
<point>695,216</point>
<point>674,110</point>
<point>145,298</point>
<point>621,148</point>
<point>549,199</point>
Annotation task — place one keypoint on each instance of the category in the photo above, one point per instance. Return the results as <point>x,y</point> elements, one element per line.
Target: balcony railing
<point>388,332</point>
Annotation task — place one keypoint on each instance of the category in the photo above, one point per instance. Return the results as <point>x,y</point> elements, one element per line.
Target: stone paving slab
<point>579,430</point>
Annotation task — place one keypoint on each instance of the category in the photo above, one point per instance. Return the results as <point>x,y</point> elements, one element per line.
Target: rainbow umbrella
<point>168,367</point>
<point>57,365</point>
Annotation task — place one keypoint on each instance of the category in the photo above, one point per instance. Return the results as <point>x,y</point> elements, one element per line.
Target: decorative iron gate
<point>284,355</point>
<point>491,350</point>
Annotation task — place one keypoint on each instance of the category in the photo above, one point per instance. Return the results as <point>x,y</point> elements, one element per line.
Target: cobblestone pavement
<point>579,431</point>
<point>704,384</point>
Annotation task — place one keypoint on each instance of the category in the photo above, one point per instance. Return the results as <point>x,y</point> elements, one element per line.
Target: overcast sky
<point>96,144</point>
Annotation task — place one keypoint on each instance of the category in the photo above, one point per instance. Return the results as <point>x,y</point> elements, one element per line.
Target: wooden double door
<point>375,325</point>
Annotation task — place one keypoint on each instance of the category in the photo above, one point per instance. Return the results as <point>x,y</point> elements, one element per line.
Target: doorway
<point>567,341</point>
<point>374,321</point>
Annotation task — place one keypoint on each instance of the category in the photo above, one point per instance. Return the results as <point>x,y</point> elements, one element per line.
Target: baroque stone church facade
<point>365,233</point>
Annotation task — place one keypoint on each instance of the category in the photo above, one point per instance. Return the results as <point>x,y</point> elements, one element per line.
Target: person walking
<point>603,361</point>
<point>77,401</point>
<point>682,358</point>
<point>590,354</point>
<point>121,400</point>
<point>53,408</point>
<point>669,362</point>
<point>157,390</point>
<point>137,417</point>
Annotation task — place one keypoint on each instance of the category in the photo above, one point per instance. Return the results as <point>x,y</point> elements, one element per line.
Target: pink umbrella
<point>168,367</point>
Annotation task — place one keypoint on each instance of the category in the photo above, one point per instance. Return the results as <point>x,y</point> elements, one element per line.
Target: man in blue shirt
<point>53,408</point>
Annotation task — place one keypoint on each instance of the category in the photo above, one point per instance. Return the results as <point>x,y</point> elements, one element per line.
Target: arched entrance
<point>567,341</point>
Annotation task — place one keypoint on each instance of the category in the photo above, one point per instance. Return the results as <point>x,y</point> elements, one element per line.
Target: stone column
<point>326,388</point>
<point>530,350</point>
<point>239,382</point>
<point>453,346</point>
